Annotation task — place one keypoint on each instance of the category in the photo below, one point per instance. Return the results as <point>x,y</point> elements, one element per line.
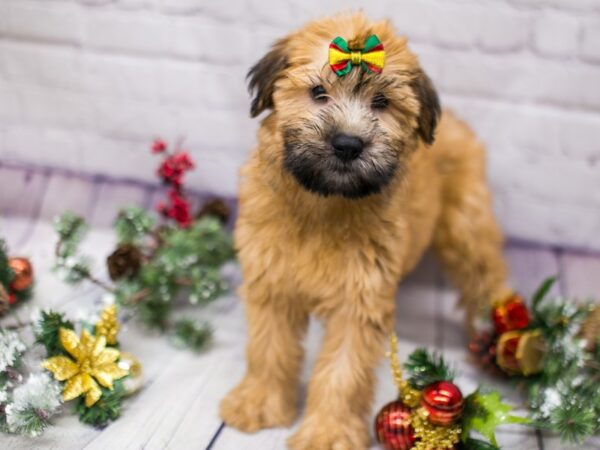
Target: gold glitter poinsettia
<point>92,363</point>
<point>108,325</point>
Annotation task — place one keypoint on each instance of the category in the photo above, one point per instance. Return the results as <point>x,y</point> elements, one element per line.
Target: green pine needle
<point>46,331</point>
<point>424,368</point>
<point>192,335</point>
<point>71,229</point>
<point>6,273</point>
<point>105,410</point>
<point>574,421</point>
<point>32,422</point>
<point>133,224</point>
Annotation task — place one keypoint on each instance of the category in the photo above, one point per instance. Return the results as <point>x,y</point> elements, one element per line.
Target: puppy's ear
<point>263,75</point>
<point>430,106</point>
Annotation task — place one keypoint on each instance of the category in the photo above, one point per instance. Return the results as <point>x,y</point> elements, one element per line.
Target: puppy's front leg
<point>268,394</point>
<point>342,385</point>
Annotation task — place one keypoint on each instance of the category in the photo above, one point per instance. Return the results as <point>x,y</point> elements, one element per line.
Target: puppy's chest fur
<point>328,251</point>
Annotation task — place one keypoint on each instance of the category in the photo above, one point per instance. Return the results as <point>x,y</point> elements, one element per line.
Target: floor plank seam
<point>216,436</point>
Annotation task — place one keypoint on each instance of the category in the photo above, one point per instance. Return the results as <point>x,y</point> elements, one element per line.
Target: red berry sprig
<point>172,171</point>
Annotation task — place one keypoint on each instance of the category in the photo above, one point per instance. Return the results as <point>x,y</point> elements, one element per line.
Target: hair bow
<point>370,58</point>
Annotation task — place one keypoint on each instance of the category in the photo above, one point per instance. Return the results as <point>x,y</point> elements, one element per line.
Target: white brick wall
<point>86,84</point>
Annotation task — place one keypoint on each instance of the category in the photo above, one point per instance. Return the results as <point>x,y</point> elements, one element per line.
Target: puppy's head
<point>344,135</point>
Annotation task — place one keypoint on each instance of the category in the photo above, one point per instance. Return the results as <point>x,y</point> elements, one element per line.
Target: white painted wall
<point>87,84</point>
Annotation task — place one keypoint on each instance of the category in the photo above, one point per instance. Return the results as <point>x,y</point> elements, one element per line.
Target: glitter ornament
<point>510,314</point>
<point>443,402</point>
<point>23,274</point>
<point>393,427</point>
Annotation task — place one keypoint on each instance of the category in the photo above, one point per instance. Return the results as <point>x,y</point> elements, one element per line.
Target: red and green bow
<point>371,58</point>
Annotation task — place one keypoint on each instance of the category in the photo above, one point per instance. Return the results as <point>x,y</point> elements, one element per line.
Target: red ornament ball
<point>23,274</point>
<point>392,427</point>
<point>443,401</point>
<point>512,314</point>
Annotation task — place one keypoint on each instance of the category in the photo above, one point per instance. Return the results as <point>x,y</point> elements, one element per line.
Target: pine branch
<point>105,410</point>
<point>574,420</point>
<point>46,331</point>
<point>133,225</point>
<point>190,334</point>
<point>30,421</point>
<point>424,368</point>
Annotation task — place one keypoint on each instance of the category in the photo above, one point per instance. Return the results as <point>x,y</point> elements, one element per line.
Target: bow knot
<point>371,58</point>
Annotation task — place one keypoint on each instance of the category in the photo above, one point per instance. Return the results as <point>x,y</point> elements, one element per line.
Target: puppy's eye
<point>319,94</point>
<point>379,101</point>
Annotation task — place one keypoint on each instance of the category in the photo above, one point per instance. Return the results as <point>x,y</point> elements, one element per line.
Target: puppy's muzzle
<point>347,147</point>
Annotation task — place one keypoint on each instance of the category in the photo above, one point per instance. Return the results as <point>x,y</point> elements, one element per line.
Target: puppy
<point>355,175</point>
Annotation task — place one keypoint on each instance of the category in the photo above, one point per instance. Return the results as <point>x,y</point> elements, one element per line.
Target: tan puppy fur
<point>332,239</point>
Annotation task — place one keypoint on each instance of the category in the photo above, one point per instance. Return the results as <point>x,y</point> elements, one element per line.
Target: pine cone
<point>590,330</point>
<point>124,262</point>
<point>4,301</point>
<point>216,207</point>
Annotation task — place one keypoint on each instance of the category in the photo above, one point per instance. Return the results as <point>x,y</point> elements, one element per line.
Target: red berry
<point>159,146</point>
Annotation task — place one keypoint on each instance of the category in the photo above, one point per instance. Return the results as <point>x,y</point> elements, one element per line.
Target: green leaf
<point>542,291</point>
<point>485,412</point>
<point>424,368</point>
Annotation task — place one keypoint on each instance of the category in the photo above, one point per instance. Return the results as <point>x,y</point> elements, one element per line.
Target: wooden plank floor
<point>177,408</point>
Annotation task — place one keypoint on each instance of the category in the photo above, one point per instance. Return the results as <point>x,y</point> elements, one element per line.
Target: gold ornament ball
<point>23,274</point>
<point>135,380</point>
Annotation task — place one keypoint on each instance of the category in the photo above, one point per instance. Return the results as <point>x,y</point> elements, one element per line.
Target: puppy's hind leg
<point>268,394</point>
<point>468,240</point>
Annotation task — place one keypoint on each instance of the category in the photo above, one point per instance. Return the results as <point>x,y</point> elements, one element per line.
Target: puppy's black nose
<point>347,147</point>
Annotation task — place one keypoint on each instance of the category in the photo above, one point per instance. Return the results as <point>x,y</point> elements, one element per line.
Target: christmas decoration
<point>510,314</point>
<point>108,325</point>
<point>443,402</point>
<point>393,426</point>
<point>431,412</point>
<point>551,349</point>
<point>155,263</point>
<point>133,367</point>
<point>124,262</point>
<point>216,208</point>
<point>23,274</point>
<point>90,363</point>
<point>85,370</point>
<point>370,58</point>
<point>16,280</point>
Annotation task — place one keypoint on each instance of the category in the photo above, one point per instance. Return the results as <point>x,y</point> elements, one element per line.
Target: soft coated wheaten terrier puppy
<point>356,173</point>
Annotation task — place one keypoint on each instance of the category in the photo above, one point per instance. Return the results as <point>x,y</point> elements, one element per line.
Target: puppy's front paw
<point>254,405</point>
<point>320,432</point>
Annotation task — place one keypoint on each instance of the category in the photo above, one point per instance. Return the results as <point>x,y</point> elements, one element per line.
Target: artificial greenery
<point>105,410</point>
<point>424,368</point>
<point>564,396</point>
<point>484,412</point>
<point>46,331</point>
<point>191,334</point>
<point>175,262</point>
<point>7,276</point>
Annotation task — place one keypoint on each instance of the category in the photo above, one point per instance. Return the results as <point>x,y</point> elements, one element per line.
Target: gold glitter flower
<point>108,325</point>
<point>92,363</point>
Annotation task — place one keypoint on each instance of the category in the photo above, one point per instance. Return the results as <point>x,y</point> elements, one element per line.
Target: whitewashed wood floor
<point>177,408</point>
